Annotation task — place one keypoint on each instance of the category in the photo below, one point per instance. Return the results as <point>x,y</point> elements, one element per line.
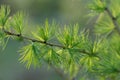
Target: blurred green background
<point>62,11</point>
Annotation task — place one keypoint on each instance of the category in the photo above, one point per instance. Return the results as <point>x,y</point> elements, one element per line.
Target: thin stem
<point>33,40</point>
<point>114,19</point>
<point>42,42</point>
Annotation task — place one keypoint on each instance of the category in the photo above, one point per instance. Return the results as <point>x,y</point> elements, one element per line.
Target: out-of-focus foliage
<point>97,6</point>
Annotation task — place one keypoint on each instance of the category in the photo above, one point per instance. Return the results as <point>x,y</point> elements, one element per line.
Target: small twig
<point>43,42</point>
<point>114,19</point>
<point>33,40</point>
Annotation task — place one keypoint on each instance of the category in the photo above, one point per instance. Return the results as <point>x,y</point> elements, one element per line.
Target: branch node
<point>44,42</point>
<point>113,18</point>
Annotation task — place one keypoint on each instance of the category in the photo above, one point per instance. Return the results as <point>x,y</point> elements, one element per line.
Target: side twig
<point>114,19</point>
